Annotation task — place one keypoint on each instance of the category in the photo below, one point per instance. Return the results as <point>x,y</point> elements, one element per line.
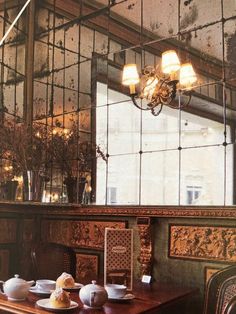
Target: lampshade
<point>187,75</point>
<point>130,75</point>
<point>170,62</point>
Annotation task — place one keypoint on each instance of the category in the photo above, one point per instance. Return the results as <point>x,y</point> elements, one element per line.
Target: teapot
<point>93,295</point>
<point>16,289</point>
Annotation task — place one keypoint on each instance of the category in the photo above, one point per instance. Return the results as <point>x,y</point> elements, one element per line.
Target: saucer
<point>15,300</point>
<point>127,297</point>
<point>77,287</point>
<point>45,304</point>
<point>39,291</point>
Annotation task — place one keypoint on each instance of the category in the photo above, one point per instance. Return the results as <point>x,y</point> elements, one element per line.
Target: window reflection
<point>182,160</point>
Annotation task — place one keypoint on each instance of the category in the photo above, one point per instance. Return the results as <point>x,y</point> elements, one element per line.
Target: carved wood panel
<point>203,242</point>
<point>87,234</point>
<point>86,267</point>
<point>146,251</point>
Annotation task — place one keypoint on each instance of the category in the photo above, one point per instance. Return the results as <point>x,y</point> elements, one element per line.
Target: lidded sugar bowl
<point>93,295</point>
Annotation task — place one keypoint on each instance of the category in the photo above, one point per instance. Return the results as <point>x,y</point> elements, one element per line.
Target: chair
<point>50,260</point>
<point>220,290</point>
<point>231,307</point>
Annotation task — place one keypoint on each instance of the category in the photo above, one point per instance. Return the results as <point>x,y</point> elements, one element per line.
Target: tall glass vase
<point>9,190</point>
<point>32,186</point>
<point>74,189</point>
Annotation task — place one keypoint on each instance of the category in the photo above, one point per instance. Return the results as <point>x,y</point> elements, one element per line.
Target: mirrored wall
<point>72,132</point>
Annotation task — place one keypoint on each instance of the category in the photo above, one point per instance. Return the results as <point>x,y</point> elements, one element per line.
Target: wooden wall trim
<point>220,212</point>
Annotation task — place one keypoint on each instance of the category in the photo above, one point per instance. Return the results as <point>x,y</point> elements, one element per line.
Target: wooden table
<point>156,298</point>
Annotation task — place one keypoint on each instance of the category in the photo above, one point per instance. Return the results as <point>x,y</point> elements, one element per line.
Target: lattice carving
<point>230,292</point>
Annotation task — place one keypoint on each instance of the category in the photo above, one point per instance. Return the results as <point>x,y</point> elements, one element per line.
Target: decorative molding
<point>209,271</point>
<point>220,212</point>
<point>160,211</point>
<point>203,243</point>
<point>146,251</point>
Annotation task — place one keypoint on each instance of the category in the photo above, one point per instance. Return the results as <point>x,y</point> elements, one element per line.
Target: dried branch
<point>23,147</point>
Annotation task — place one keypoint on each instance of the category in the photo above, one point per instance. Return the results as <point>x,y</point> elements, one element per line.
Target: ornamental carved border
<point>220,212</point>
<point>203,243</point>
<point>159,211</point>
<point>146,245</point>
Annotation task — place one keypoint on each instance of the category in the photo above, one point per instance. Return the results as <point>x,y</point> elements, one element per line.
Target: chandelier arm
<point>133,97</point>
<point>189,99</point>
<point>168,91</point>
<point>158,112</point>
<point>173,106</point>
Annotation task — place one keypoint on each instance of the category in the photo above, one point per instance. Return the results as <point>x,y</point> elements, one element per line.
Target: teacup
<point>115,291</point>
<point>45,284</point>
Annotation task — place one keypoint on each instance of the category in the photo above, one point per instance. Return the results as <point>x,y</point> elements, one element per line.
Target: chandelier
<point>157,88</point>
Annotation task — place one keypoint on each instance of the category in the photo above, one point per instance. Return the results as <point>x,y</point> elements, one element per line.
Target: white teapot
<point>16,289</point>
<point>93,295</point>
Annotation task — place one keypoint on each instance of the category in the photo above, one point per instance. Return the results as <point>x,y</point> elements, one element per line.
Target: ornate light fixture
<point>158,88</point>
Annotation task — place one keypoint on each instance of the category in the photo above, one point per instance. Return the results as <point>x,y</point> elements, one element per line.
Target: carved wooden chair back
<point>50,260</point>
<point>220,290</point>
<point>231,307</point>
<point>226,293</point>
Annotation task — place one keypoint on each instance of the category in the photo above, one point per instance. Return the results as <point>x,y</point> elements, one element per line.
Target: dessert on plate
<point>65,280</point>
<point>59,299</point>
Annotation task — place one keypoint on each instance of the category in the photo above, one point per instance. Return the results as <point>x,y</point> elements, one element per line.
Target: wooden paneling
<point>60,223</point>
<point>7,230</point>
<point>4,264</point>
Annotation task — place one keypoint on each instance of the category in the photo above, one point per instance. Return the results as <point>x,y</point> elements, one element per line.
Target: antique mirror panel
<point>81,137</point>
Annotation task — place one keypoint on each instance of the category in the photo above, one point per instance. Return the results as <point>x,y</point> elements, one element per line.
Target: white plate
<point>127,297</point>
<point>45,304</point>
<point>39,291</point>
<point>76,287</point>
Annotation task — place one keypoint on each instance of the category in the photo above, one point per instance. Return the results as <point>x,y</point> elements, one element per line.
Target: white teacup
<point>45,284</point>
<point>116,291</point>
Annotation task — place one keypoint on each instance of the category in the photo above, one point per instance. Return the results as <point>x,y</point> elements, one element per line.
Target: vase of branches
<point>74,188</point>
<point>75,159</point>
<point>24,149</point>
<point>32,185</point>
<point>8,190</point>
